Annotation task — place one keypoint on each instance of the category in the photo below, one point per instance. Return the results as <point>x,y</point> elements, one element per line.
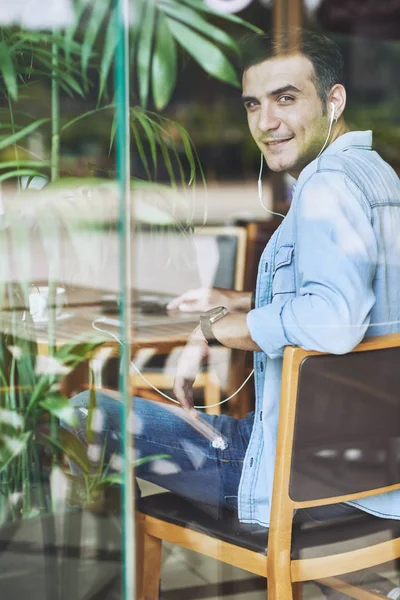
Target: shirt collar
<point>359,139</point>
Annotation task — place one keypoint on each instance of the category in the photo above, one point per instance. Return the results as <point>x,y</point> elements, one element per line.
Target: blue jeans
<point>194,469</point>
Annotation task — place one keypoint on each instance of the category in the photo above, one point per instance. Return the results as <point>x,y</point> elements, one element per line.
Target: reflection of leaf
<point>33,37</point>
<point>11,139</point>
<point>73,448</point>
<point>11,447</point>
<point>72,29</point>
<point>11,418</point>
<point>139,146</point>
<point>118,478</point>
<point>91,408</point>
<point>19,173</point>
<point>164,65</point>
<point>60,407</point>
<point>202,6</point>
<point>142,461</point>
<point>209,57</point>
<point>7,70</point>
<point>147,128</point>
<point>194,20</point>
<point>107,54</point>
<point>144,50</point>
<point>115,479</point>
<point>99,11</point>
<point>71,355</point>
<point>10,164</point>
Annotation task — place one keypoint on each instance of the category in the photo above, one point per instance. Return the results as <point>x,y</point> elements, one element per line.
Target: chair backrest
<point>174,261</point>
<point>230,243</point>
<point>339,427</point>
<point>347,428</point>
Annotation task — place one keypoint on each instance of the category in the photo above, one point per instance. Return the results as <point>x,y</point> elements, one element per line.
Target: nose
<point>268,119</point>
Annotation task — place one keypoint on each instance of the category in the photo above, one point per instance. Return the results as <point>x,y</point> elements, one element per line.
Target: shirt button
<point>251,462</point>
<point>261,367</point>
<point>261,416</point>
<point>266,267</point>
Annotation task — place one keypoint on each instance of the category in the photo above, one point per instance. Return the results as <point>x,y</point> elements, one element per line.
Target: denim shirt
<point>329,276</point>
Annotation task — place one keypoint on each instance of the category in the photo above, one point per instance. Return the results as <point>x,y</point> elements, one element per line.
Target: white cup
<point>39,302</point>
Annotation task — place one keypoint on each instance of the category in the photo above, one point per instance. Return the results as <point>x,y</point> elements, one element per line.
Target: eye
<point>285,99</point>
<point>251,104</point>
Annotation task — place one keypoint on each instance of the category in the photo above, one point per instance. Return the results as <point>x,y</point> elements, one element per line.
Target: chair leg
<point>148,560</point>
<point>297,589</point>
<point>280,588</point>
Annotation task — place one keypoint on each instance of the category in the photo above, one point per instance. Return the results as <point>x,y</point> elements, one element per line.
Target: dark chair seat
<point>309,540</point>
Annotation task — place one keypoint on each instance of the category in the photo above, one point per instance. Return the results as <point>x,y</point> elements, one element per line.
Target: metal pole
<point>125,222</point>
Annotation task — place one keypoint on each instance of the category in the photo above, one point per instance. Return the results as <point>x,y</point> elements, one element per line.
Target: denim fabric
<point>194,469</point>
<point>329,276</point>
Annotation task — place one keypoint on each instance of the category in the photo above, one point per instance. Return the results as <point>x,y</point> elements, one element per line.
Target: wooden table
<point>164,332</point>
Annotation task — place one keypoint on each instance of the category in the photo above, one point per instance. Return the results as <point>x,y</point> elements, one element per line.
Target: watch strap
<point>206,329</point>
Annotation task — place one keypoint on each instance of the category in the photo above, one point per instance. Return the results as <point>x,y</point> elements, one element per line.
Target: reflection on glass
<point>94,286</point>
<point>59,501</point>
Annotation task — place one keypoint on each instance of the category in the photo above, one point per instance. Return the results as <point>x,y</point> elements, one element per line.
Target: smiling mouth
<point>279,143</point>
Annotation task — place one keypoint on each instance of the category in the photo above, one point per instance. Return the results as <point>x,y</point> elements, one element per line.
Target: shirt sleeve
<point>335,260</point>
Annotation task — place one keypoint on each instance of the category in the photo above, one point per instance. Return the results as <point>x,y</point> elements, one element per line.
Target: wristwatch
<point>207,319</point>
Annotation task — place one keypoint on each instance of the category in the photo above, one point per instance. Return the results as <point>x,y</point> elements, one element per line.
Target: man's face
<point>284,112</point>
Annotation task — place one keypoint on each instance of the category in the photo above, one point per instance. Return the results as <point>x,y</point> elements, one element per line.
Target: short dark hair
<point>323,53</point>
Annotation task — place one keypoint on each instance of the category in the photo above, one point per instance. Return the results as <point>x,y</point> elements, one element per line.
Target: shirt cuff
<point>266,329</point>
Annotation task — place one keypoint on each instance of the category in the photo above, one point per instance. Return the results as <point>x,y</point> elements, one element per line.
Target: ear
<point>337,95</point>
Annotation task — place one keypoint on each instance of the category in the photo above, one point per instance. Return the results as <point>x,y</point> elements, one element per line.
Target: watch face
<point>217,313</point>
<point>213,311</point>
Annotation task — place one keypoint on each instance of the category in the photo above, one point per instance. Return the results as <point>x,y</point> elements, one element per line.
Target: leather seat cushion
<point>309,540</point>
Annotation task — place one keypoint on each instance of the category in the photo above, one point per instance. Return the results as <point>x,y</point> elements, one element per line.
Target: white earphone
<point>332,120</point>
<point>260,192</point>
<point>333,116</point>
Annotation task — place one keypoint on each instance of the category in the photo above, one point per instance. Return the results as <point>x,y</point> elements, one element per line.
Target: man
<point>324,281</point>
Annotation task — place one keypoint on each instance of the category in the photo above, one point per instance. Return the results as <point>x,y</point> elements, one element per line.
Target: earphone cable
<point>260,195</point>
<point>110,333</point>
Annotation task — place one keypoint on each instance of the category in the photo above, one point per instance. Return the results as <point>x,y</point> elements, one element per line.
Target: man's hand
<point>189,365</point>
<point>203,299</point>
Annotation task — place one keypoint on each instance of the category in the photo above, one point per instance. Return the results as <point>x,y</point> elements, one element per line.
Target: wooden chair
<point>338,435</point>
<point>229,244</point>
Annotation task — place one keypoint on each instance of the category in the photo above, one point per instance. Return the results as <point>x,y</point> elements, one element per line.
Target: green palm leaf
<point>99,12</point>
<point>42,38</point>
<point>138,113</point>
<point>59,406</point>
<point>11,447</point>
<point>19,173</point>
<point>202,6</point>
<point>7,70</point>
<point>85,115</point>
<point>209,57</point>
<point>11,139</point>
<point>63,76</point>
<point>140,148</point>
<point>70,32</point>
<point>194,20</point>
<point>164,65</point>
<point>108,53</point>
<point>136,16</point>
<point>13,164</point>
<point>144,51</point>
